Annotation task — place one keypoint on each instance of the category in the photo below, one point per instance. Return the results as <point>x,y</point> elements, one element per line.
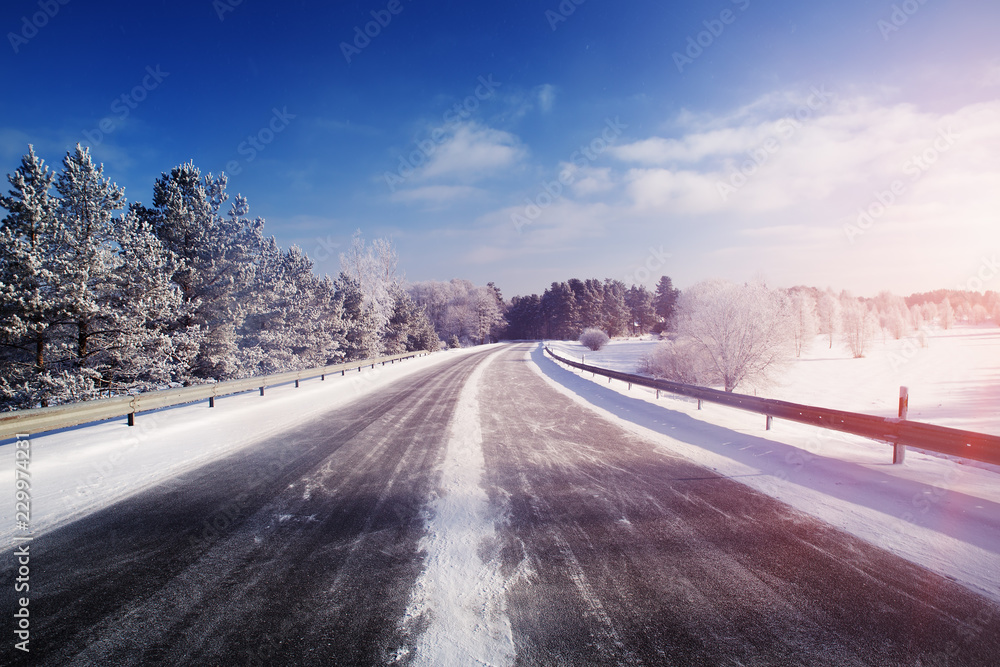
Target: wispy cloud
<point>472,153</point>
<point>437,194</point>
<point>546,97</point>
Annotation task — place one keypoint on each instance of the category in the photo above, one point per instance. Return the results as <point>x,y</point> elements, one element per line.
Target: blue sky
<point>853,144</point>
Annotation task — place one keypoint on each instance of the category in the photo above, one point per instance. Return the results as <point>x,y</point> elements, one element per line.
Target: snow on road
<point>79,470</point>
<point>938,512</point>
<point>461,596</point>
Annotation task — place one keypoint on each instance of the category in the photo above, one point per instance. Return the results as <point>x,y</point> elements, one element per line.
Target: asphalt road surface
<point>304,550</point>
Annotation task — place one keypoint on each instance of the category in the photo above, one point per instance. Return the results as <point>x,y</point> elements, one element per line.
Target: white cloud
<point>776,185</point>
<point>437,194</point>
<point>586,181</point>
<point>473,152</point>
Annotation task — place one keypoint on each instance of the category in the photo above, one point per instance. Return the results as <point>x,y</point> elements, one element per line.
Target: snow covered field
<point>940,513</point>
<point>953,381</point>
<point>78,470</point>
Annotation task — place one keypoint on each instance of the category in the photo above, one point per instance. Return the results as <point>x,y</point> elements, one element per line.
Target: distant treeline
<point>565,309</point>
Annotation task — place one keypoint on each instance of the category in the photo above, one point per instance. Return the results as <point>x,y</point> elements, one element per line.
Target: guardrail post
<point>767,423</point>
<point>322,377</point>
<point>699,404</point>
<point>131,419</point>
<point>899,449</point>
<point>211,401</point>
<point>261,391</point>
<point>657,393</point>
<point>296,384</point>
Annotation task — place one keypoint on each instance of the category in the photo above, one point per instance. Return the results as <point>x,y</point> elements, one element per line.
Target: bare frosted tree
<point>946,314</point>
<point>803,320</point>
<point>745,331</point>
<point>858,324</point>
<point>374,268</point>
<point>828,315</point>
<point>679,360</point>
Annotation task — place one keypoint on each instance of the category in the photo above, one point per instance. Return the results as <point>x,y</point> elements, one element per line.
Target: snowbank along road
<point>471,514</point>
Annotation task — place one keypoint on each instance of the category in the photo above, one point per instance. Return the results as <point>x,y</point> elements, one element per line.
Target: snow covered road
<point>301,549</point>
<point>470,513</point>
<point>623,553</point>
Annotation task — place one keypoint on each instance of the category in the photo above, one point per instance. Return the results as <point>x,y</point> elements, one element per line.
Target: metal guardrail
<point>896,431</point>
<point>38,420</point>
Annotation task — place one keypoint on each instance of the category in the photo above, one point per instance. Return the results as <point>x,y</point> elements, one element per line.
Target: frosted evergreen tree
<point>216,260</point>
<point>92,294</point>
<point>32,308</point>
<point>409,328</point>
<point>138,352</point>
<point>665,301</point>
<point>89,206</point>
<point>642,317</point>
<point>358,326</point>
<point>615,313</point>
<point>292,322</point>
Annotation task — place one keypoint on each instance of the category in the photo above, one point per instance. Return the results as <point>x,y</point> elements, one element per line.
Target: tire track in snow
<point>460,599</point>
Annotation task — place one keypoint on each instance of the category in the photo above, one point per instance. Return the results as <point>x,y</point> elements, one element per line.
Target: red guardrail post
<point>898,448</point>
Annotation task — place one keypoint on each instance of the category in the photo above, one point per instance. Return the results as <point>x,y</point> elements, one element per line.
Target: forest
<point>99,296</point>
